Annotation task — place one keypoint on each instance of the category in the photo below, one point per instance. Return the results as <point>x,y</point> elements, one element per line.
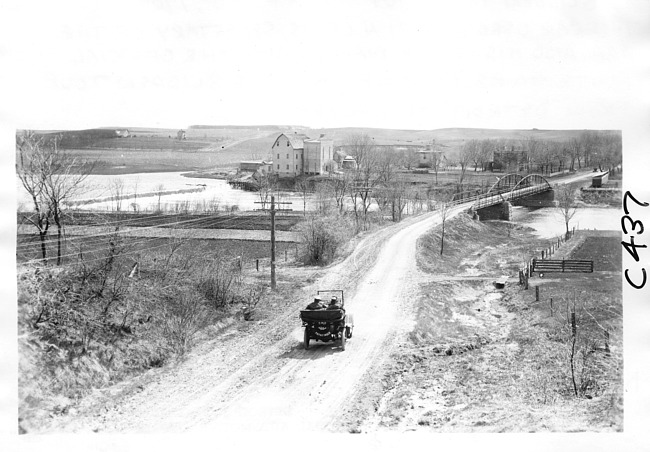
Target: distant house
<point>349,162</point>
<point>122,133</point>
<point>427,158</point>
<point>339,156</point>
<point>180,135</point>
<point>255,166</point>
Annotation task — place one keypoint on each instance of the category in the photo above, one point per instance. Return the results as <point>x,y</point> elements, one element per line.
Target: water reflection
<point>549,222</point>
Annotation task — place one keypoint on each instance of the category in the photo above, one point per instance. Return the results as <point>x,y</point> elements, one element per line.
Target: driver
<point>317,303</point>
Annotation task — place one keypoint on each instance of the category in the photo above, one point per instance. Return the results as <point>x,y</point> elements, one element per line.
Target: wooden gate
<point>568,265</point>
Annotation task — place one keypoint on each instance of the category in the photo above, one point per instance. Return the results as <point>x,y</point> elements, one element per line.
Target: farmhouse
<point>427,158</point>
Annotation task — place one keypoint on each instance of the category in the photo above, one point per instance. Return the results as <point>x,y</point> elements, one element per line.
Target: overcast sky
<point>394,64</point>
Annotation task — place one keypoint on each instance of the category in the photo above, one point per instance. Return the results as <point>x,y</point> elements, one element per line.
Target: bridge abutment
<point>501,211</point>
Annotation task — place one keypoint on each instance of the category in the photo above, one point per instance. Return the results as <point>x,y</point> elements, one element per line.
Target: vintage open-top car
<point>325,319</point>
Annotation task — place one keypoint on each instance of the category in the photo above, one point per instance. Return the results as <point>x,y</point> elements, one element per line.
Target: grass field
<point>28,246</point>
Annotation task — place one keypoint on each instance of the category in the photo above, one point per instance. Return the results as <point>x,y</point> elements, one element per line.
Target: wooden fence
<point>564,265</point>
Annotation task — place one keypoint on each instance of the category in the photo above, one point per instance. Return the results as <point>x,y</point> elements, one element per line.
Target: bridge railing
<point>490,200</point>
<point>482,200</point>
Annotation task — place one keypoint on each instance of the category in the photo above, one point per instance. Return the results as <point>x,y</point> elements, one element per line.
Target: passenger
<point>334,304</point>
<point>316,304</point>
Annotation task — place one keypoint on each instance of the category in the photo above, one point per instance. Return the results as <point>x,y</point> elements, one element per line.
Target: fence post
<point>562,265</point>
<point>573,324</point>
<point>526,280</point>
<point>551,307</point>
<point>257,264</point>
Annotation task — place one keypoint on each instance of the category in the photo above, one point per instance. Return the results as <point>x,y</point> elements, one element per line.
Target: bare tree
<point>444,209</point>
<point>386,163</point>
<point>362,148</point>
<point>116,187</point>
<point>267,186</point>
<point>407,158</point>
<point>323,198</point>
<point>63,177</point>
<point>303,187</point>
<point>339,186</point>
<point>559,152</point>
<point>566,204</point>
<point>160,189</point>
<point>30,162</point>
<point>484,153</point>
<point>533,148</point>
<point>436,158</point>
<point>134,204</point>
<point>400,194</point>
<point>466,155</point>
<point>574,149</point>
<point>610,151</point>
<point>590,143</point>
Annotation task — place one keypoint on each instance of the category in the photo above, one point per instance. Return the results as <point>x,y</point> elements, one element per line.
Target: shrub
<point>184,315</point>
<point>220,283</point>
<point>322,236</point>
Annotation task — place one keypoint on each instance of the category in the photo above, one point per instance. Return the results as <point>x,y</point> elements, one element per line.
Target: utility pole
<point>273,211</point>
<point>272,242</point>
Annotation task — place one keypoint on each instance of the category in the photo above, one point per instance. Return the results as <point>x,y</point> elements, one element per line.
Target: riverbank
<point>480,359</point>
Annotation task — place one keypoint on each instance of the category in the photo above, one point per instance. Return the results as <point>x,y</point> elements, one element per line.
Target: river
<point>142,188</point>
<point>548,222</point>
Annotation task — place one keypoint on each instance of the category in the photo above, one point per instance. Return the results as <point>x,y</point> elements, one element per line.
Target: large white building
<point>296,154</point>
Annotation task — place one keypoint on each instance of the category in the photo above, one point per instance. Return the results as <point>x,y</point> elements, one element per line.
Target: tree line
<point>598,149</point>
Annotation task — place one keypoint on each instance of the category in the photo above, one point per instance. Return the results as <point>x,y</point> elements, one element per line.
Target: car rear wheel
<point>349,326</point>
<point>306,339</point>
<point>343,340</point>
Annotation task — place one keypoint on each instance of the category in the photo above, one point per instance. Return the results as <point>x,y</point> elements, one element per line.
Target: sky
<point>389,64</point>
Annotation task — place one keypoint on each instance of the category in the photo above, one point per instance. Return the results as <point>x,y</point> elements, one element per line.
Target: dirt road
<point>266,381</point>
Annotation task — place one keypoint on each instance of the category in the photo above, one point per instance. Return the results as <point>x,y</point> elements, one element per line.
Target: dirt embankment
<point>483,359</point>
